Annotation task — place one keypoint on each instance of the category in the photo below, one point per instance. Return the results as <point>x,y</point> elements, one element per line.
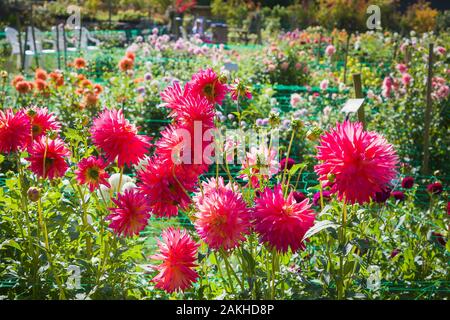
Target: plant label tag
<point>352,105</point>
<point>231,66</point>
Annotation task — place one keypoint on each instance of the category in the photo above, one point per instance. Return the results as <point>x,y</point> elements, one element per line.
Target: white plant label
<point>74,280</point>
<point>352,105</point>
<point>374,279</point>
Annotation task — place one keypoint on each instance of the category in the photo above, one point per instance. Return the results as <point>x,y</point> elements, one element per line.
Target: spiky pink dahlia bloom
<point>206,83</point>
<point>361,162</point>
<point>282,222</point>
<point>177,148</point>
<point>119,139</point>
<point>165,187</point>
<point>15,131</point>
<point>195,109</point>
<point>91,171</point>
<point>222,218</point>
<point>42,121</point>
<point>131,213</point>
<point>48,157</point>
<point>178,253</point>
<point>172,95</point>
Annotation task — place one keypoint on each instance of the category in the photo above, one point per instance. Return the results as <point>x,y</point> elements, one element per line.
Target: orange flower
<point>40,74</point>
<point>85,83</point>
<point>81,77</point>
<point>16,80</point>
<point>126,64</point>
<point>57,78</point>
<point>90,99</point>
<point>138,80</point>
<point>130,55</point>
<point>40,84</point>
<point>79,63</point>
<point>98,88</point>
<point>24,87</point>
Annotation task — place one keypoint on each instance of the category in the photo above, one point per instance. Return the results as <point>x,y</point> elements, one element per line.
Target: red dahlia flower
<point>51,152</point>
<point>131,213</point>
<point>15,131</point>
<point>282,222</point>
<point>362,163</point>
<point>91,171</point>
<point>206,83</point>
<point>165,187</point>
<point>42,121</point>
<point>112,133</point>
<point>223,218</point>
<point>178,252</point>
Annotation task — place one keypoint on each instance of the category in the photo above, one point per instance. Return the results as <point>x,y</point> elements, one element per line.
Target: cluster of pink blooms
<point>27,129</point>
<point>166,181</point>
<point>440,88</point>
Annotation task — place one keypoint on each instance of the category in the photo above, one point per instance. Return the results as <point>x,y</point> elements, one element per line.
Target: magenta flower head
<point>398,195</point>
<point>326,195</point>
<point>289,161</point>
<point>407,182</point>
<point>282,222</point>
<point>299,196</point>
<point>435,188</point>
<point>382,196</point>
<point>361,162</point>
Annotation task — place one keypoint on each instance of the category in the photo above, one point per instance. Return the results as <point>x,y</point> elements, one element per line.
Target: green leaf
<point>11,243</point>
<point>319,226</point>
<point>296,167</point>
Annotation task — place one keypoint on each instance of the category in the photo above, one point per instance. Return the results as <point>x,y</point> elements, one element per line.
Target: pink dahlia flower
<point>195,109</point>
<point>112,133</point>
<point>402,68</point>
<point>176,147</point>
<point>178,253</point>
<point>282,222</point>
<point>362,163</point>
<point>51,152</point>
<point>165,187</point>
<point>130,215</point>
<point>42,121</point>
<point>330,50</point>
<point>206,83</point>
<point>222,219</point>
<point>15,131</point>
<point>91,171</point>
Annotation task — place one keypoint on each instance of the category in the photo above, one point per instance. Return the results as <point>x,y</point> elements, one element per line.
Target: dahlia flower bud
<point>33,194</point>
<point>313,134</point>
<point>296,124</point>
<point>331,177</point>
<point>274,119</point>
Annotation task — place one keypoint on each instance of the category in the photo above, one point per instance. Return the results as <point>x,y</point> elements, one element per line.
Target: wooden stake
<point>58,54</point>
<point>428,112</point>
<point>357,84</point>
